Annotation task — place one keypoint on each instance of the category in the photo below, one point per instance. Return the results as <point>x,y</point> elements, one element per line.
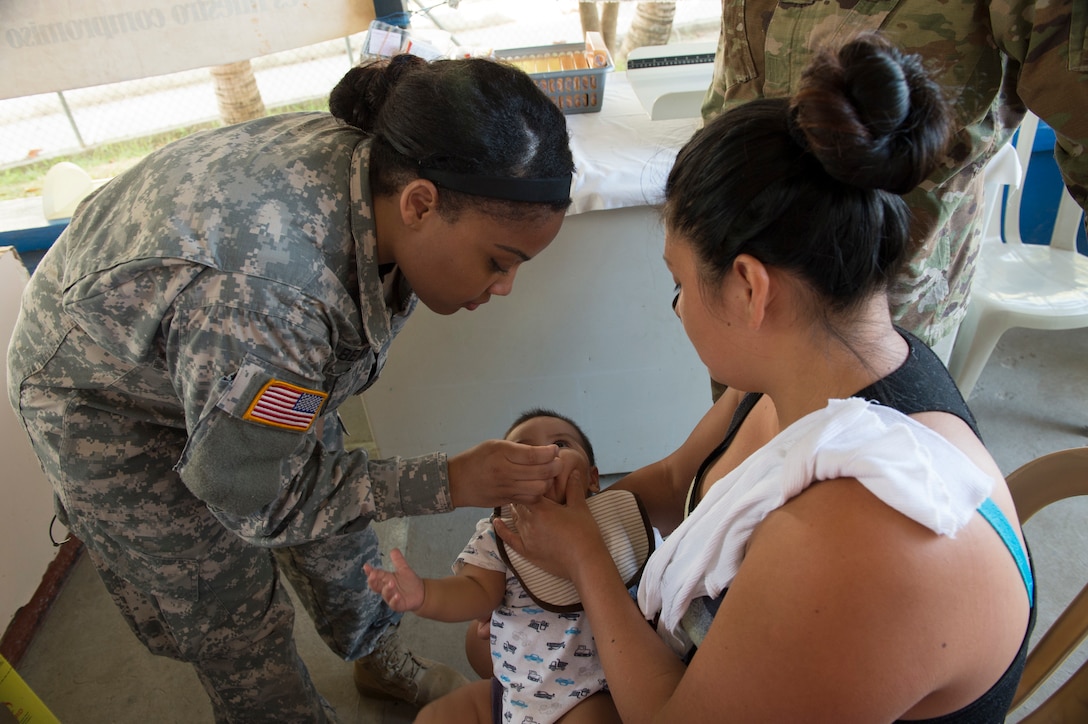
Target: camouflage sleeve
<point>256,388</point>
<point>1047,43</point>
<point>738,60</point>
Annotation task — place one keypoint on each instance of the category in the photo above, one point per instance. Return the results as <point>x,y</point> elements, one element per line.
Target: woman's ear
<point>418,199</point>
<point>756,286</point>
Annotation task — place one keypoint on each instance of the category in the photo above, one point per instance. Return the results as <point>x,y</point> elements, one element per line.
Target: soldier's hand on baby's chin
<point>497,472</point>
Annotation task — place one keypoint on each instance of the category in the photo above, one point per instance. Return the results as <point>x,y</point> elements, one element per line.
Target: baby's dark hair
<point>468,116</point>
<point>811,184</point>
<point>542,412</point>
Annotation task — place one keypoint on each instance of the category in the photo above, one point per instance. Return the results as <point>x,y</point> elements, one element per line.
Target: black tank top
<point>921,384</point>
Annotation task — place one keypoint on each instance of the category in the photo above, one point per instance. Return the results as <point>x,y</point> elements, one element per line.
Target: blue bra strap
<point>1000,523</point>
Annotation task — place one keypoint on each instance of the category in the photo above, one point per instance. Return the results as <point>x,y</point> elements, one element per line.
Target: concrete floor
<point>89,669</point>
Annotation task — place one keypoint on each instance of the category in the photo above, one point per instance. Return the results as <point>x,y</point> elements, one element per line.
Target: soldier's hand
<point>497,472</point>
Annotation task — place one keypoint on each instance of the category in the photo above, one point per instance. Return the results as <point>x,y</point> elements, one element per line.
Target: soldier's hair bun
<point>871,115</point>
<point>467,116</point>
<point>362,92</point>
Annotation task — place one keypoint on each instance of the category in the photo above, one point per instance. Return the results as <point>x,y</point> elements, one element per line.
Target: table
<point>588,331</point>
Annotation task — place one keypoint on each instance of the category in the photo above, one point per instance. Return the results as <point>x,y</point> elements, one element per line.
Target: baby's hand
<point>401,588</point>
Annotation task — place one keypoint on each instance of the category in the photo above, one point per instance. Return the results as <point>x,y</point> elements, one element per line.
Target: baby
<point>545,662</point>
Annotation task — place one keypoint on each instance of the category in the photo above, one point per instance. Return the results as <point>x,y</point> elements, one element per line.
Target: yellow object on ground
<point>20,699</point>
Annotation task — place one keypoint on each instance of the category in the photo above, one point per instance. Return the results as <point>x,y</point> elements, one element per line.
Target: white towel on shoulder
<point>904,463</point>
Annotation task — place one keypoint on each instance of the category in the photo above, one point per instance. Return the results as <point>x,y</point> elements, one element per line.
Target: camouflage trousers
<point>189,588</point>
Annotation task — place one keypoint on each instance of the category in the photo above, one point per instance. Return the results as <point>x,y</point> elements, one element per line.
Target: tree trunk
<point>602,21</point>
<point>237,93</point>
<point>610,12</point>
<point>652,25</point>
<point>591,20</point>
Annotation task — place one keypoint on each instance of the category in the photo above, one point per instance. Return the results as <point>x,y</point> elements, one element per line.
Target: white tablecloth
<point>622,158</point>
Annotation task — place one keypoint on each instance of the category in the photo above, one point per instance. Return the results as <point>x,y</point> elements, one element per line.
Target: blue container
<point>391,12</point>
<point>37,238</point>
<point>1042,191</point>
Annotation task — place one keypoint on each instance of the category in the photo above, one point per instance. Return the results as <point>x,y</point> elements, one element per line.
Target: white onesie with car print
<point>546,662</point>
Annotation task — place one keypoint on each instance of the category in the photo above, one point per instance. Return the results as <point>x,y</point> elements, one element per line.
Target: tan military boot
<point>391,671</point>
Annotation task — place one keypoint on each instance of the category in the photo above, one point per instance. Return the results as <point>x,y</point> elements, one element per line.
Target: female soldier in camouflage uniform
<point>183,348</point>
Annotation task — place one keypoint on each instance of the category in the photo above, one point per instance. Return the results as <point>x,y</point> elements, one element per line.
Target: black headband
<point>507,188</point>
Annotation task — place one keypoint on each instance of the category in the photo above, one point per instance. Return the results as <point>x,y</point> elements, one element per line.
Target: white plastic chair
<point>1021,285</point>
<point>65,185</point>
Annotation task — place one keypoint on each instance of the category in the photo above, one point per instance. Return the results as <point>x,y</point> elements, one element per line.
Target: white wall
<point>589,331</point>
<point>26,500</point>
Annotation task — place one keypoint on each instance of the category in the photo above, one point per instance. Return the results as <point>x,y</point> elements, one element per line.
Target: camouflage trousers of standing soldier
<point>188,587</point>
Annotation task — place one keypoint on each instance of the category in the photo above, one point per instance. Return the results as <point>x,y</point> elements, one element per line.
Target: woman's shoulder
<point>840,538</point>
<point>833,514</point>
<point>847,595</point>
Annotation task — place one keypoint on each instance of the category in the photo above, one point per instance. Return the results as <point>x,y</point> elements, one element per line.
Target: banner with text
<point>65,44</point>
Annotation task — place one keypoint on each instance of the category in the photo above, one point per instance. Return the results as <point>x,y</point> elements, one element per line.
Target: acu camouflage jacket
<point>227,287</point>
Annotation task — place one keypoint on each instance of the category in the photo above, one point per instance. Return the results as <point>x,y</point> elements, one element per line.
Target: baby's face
<point>572,451</point>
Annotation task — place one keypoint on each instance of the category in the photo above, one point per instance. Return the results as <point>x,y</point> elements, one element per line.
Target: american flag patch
<point>281,404</point>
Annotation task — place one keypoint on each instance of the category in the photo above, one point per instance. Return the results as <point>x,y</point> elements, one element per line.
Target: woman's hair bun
<point>363,90</point>
<point>878,86</point>
<point>871,115</point>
